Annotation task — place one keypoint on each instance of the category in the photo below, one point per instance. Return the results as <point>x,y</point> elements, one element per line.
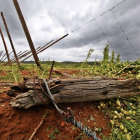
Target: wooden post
<point>1,53</point>
<point>8,33</point>
<point>73,90</point>
<point>17,56</point>
<point>45,47</point>
<point>51,70</point>
<point>5,47</point>
<point>26,32</point>
<point>6,57</point>
<point>53,43</point>
<point>2,57</point>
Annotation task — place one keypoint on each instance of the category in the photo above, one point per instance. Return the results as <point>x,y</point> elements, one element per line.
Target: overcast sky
<point>51,19</point>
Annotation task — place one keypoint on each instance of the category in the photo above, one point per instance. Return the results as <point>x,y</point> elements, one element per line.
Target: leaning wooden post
<point>2,57</point>
<point>44,48</point>
<point>6,57</point>
<point>5,47</point>
<point>1,53</point>
<point>53,43</point>
<point>27,32</point>
<point>17,56</point>
<point>8,33</point>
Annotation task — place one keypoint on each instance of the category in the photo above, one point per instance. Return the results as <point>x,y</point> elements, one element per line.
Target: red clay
<point>19,124</point>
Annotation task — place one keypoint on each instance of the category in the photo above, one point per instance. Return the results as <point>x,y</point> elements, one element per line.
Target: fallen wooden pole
<point>76,90</point>
<point>61,73</point>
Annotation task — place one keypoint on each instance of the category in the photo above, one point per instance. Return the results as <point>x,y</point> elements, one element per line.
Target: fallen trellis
<point>75,90</point>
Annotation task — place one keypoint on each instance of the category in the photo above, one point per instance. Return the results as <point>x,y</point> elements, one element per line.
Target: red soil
<point>19,124</point>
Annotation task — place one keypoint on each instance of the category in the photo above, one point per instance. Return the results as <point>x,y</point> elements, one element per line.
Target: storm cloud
<point>51,19</point>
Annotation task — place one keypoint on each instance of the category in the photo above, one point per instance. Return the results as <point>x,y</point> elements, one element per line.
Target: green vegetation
<point>106,54</point>
<point>124,113</point>
<point>124,116</point>
<point>112,60</point>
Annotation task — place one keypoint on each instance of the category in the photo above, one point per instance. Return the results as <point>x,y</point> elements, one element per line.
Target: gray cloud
<point>52,19</point>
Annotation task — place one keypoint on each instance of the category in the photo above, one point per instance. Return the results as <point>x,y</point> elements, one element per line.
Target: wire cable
<point>73,42</point>
<point>50,95</point>
<point>70,118</point>
<point>81,40</point>
<point>97,16</point>
<point>104,34</point>
<point>124,32</point>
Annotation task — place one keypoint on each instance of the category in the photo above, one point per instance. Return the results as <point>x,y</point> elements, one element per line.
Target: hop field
<point>115,119</point>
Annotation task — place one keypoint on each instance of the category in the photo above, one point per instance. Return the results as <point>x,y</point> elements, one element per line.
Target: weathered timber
<point>61,73</point>
<point>76,90</point>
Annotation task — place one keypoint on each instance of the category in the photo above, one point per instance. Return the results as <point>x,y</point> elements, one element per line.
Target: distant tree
<point>112,60</point>
<point>118,59</point>
<point>106,54</point>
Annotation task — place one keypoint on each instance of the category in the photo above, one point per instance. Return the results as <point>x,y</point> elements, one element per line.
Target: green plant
<point>118,59</point>
<point>84,64</point>
<point>106,54</point>
<point>112,60</point>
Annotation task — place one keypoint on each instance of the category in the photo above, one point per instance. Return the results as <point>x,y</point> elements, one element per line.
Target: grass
<point>124,113</point>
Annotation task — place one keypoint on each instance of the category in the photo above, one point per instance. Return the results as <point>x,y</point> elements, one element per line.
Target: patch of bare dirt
<point>19,124</point>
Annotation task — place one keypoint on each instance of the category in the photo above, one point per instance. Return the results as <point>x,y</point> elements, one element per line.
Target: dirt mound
<point>18,124</point>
